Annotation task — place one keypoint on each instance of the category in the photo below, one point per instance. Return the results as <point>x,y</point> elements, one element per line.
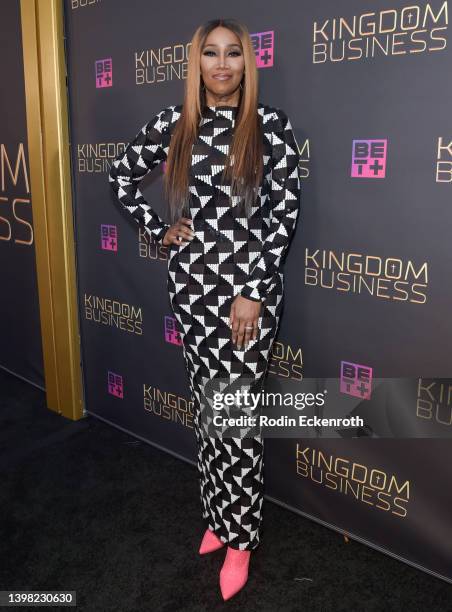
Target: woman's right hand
<point>177,232</point>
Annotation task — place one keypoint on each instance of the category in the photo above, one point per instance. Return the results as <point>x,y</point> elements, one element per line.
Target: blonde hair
<point>247,143</point>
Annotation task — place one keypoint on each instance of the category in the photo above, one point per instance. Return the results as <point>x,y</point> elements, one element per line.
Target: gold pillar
<point>49,160</point>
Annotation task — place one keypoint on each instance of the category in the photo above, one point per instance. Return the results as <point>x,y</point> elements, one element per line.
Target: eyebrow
<point>230,45</point>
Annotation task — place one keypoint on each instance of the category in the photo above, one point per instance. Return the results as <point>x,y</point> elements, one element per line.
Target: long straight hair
<point>244,165</point>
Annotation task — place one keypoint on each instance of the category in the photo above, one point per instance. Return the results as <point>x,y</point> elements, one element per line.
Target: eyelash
<point>206,52</point>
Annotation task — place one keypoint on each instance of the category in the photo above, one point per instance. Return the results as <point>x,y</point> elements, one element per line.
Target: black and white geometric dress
<point>229,255</point>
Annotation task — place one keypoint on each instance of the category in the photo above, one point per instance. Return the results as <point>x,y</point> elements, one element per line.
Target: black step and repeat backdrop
<point>368,294</point>
<point>20,326</point>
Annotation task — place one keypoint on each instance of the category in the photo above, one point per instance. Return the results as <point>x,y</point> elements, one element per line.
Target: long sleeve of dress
<point>141,155</point>
<point>285,193</point>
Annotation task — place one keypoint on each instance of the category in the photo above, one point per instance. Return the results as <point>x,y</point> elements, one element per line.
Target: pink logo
<point>356,379</point>
<point>172,335</point>
<point>263,44</point>
<point>115,385</point>
<point>104,73</point>
<point>109,237</point>
<point>369,158</point>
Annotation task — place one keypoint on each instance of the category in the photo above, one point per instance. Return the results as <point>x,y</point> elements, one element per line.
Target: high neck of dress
<point>222,107</point>
<point>221,110</point>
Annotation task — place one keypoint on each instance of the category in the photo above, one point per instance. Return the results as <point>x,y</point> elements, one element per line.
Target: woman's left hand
<point>244,319</point>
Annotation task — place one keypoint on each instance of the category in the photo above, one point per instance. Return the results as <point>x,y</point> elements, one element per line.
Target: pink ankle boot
<point>234,573</point>
<point>210,542</point>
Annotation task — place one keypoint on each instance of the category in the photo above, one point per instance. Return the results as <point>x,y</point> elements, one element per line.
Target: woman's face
<point>222,65</point>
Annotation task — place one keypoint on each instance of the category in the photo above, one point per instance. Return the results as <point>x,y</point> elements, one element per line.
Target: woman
<point>232,182</point>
